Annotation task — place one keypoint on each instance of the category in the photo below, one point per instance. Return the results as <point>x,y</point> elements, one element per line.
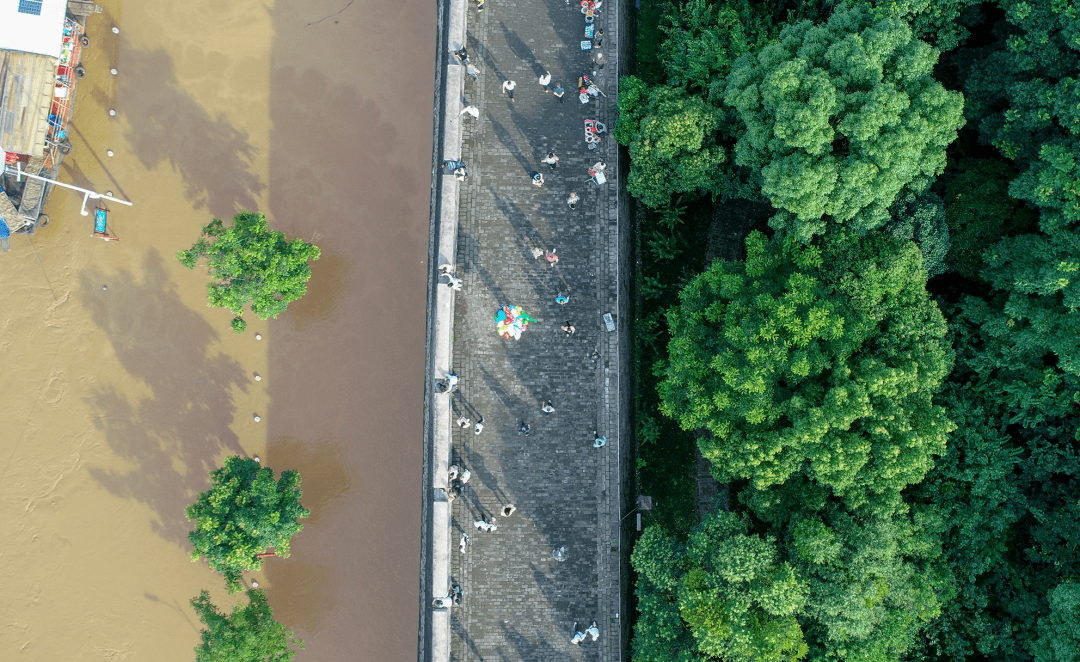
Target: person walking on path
<point>479,426</point>
<point>559,91</point>
<point>537,178</point>
<point>594,355</point>
<point>508,87</point>
<point>561,299</point>
<point>524,429</point>
<point>463,421</point>
<point>593,631</point>
<point>472,71</point>
<point>480,5</point>
<point>508,510</point>
<point>545,80</point>
<point>547,408</point>
<point>573,200</point>
<point>551,257</point>
<point>454,283</point>
<point>578,636</point>
<point>473,111</point>
<point>569,328</point>
<point>598,441</point>
<point>537,252</point>
<point>560,556</point>
<point>552,160</point>
<point>599,38</point>
<point>463,543</point>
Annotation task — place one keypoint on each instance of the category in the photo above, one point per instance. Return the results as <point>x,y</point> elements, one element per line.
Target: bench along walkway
<point>520,603</point>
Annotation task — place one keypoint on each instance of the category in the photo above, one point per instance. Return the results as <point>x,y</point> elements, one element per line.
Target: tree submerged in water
<point>251,266</point>
<point>248,634</point>
<point>245,513</point>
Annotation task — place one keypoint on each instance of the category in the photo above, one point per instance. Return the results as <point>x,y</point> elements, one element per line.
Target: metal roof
<point>23,30</point>
<point>27,82</point>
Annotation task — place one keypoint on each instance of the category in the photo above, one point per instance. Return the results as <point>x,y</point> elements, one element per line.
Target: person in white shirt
<point>471,110</point>
<point>508,87</point>
<point>545,80</point>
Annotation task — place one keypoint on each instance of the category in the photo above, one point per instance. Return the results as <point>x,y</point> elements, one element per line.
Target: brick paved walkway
<point>521,604</point>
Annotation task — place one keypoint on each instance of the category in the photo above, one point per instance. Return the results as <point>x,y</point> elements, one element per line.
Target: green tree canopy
<point>733,594</point>
<point>816,359</point>
<point>921,219</point>
<point>248,634</point>
<point>979,211</point>
<point>840,118</point>
<point>251,265</point>
<point>246,512</point>
<point>703,39</point>
<point>672,138</point>
<point>1059,633</point>
<point>875,582</point>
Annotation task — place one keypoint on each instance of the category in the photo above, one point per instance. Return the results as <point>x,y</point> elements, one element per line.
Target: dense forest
<point>857,232</point>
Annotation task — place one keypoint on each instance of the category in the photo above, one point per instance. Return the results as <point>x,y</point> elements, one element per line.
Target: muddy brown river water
<point>119,401</point>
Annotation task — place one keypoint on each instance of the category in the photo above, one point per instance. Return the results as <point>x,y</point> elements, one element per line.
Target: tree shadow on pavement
<point>172,437</point>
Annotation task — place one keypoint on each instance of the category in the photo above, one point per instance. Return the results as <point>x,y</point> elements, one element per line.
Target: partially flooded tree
<point>248,634</point>
<point>246,512</point>
<point>251,266</point>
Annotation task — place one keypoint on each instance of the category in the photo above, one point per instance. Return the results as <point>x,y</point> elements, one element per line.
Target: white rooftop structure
<point>32,26</point>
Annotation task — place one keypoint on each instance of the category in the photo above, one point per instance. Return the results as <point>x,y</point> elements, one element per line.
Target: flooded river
<point>122,389</point>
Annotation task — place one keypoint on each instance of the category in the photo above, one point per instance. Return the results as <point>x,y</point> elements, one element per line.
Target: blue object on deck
<point>5,231</point>
<point>99,220</point>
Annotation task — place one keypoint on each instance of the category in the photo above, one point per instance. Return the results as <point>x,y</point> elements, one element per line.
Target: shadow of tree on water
<point>171,438</point>
<point>167,124</point>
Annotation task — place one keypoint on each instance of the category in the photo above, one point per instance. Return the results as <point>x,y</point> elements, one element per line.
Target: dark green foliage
<point>979,211</point>
<point>704,39</point>
<point>1059,633</point>
<point>245,513</point>
<point>843,124</point>
<point>821,360</point>
<point>921,219</point>
<point>251,266</point>
<point>248,634</point>
<point>939,22</point>
<point>840,118</point>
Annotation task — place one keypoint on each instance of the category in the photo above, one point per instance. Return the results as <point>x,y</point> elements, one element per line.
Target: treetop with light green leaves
<point>839,118</point>
<point>245,512</point>
<point>821,359</point>
<point>251,266</point>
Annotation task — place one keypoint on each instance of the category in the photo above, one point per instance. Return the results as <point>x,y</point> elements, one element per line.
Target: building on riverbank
<point>40,50</point>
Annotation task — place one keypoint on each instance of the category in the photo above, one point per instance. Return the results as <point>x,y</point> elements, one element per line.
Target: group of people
<point>459,477</point>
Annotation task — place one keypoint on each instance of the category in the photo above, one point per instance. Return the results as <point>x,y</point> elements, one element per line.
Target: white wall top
<point>32,26</point>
